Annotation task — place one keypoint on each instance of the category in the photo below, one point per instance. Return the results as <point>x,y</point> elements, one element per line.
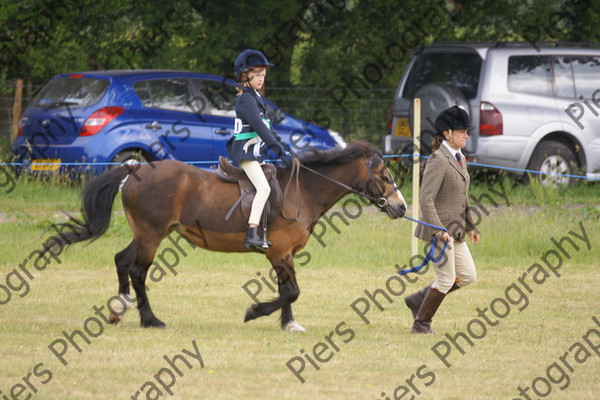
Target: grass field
<point>203,306</point>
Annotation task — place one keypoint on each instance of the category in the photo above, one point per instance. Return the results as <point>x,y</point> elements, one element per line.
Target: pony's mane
<point>355,150</point>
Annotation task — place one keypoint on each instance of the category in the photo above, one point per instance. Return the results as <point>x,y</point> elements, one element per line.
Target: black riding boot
<point>431,303</point>
<point>254,241</point>
<point>415,300</point>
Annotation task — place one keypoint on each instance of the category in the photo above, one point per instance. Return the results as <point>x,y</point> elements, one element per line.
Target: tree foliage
<point>320,43</point>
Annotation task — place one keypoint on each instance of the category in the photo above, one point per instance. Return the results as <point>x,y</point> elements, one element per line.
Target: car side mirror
<point>276,115</point>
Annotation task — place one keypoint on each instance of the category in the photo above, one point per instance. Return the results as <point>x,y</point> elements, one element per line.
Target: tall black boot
<point>431,303</point>
<point>254,241</point>
<point>415,300</point>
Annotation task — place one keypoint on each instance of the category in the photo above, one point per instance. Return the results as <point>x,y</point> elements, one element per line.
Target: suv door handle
<point>223,132</point>
<point>154,126</point>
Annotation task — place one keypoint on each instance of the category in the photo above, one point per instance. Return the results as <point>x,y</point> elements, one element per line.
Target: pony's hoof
<point>153,323</point>
<point>250,313</point>
<point>293,326</point>
<point>114,319</point>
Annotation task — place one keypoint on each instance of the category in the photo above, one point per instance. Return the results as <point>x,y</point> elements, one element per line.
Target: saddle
<point>230,174</point>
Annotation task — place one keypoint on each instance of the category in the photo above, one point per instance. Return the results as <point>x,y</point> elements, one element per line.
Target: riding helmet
<point>453,118</point>
<point>249,59</point>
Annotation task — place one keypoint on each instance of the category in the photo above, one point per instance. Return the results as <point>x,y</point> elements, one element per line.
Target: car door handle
<point>223,132</point>
<point>154,126</point>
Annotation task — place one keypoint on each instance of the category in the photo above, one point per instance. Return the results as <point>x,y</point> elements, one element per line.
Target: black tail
<point>98,198</point>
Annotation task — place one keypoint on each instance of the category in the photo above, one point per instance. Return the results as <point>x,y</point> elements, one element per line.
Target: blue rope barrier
<point>403,155</point>
<point>503,168</point>
<point>99,163</point>
<point>429,256</point>
<point>385,156</point>
<point>532,171</point>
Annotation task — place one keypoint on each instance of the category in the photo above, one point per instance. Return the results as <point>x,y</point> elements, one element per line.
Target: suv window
<point>585,71</point>
<point>460,70</point>
<point>563,78</point>
<point>71,91</point>
<point>530,74</point>
<point>166,94</point>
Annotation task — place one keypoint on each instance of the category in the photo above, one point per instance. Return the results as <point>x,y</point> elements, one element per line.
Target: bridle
<point>380,200</point>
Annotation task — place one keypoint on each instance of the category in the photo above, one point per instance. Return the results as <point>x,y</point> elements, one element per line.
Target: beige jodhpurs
<point>263,190</point>
<point>457,266</point>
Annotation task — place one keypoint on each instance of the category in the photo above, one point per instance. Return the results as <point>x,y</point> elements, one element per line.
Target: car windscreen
<point>460,70</point>
<point>74,91</point>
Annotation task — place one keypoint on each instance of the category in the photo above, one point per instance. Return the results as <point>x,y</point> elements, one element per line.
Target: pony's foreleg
<point>288,293</point>
<point>291,291</point>
<point>123,261</point>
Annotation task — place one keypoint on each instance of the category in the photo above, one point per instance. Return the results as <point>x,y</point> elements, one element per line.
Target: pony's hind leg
<point>123,261</point>
<point>138,271</point>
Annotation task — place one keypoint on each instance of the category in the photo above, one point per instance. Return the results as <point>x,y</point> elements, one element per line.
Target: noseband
<point>381,201</point>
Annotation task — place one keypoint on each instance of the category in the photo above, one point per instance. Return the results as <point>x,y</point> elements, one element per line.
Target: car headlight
<point>338,138</point>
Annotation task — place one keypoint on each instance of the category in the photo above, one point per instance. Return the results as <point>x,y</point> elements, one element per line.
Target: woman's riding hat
<point>249,59</point>
<point>453,118</point>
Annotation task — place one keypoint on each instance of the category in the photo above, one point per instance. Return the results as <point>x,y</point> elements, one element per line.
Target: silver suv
<point>534,108</point>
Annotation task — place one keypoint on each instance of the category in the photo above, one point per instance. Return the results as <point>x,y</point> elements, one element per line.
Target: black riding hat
<point>249,59</point>
<point>453,118</point>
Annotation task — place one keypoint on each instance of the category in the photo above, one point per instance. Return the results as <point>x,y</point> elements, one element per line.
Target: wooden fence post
<point>16,110</point>
<point>416,170</point>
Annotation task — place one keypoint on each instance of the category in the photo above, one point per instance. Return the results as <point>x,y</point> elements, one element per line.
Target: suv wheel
<point>553,158</point>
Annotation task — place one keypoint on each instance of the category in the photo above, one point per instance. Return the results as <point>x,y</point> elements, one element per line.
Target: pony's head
<point>380,185</point>
<point>373,179</point>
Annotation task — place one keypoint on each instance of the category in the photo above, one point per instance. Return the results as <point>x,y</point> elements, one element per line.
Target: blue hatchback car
<point>91,120</point>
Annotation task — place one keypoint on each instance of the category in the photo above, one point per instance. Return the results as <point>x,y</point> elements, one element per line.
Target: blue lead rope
<point>429,256</point>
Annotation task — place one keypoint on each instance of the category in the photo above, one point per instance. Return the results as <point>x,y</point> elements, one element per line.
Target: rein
<point>380,201</point>
<point>295,171</point>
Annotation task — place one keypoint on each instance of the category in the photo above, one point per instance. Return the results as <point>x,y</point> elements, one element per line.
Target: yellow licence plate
<point>402,127</point>
<point>46,164</point>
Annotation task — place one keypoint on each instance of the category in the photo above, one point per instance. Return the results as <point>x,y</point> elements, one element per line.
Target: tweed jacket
<point>444,196</point>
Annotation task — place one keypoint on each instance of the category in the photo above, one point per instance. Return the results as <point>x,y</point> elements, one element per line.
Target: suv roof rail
<point>549,44</point>
<point>509,44</point>
<point>466,45</point>
<point>461,44</point>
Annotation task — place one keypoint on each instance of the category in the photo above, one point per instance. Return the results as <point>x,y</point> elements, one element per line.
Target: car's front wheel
<point>555,161</point>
